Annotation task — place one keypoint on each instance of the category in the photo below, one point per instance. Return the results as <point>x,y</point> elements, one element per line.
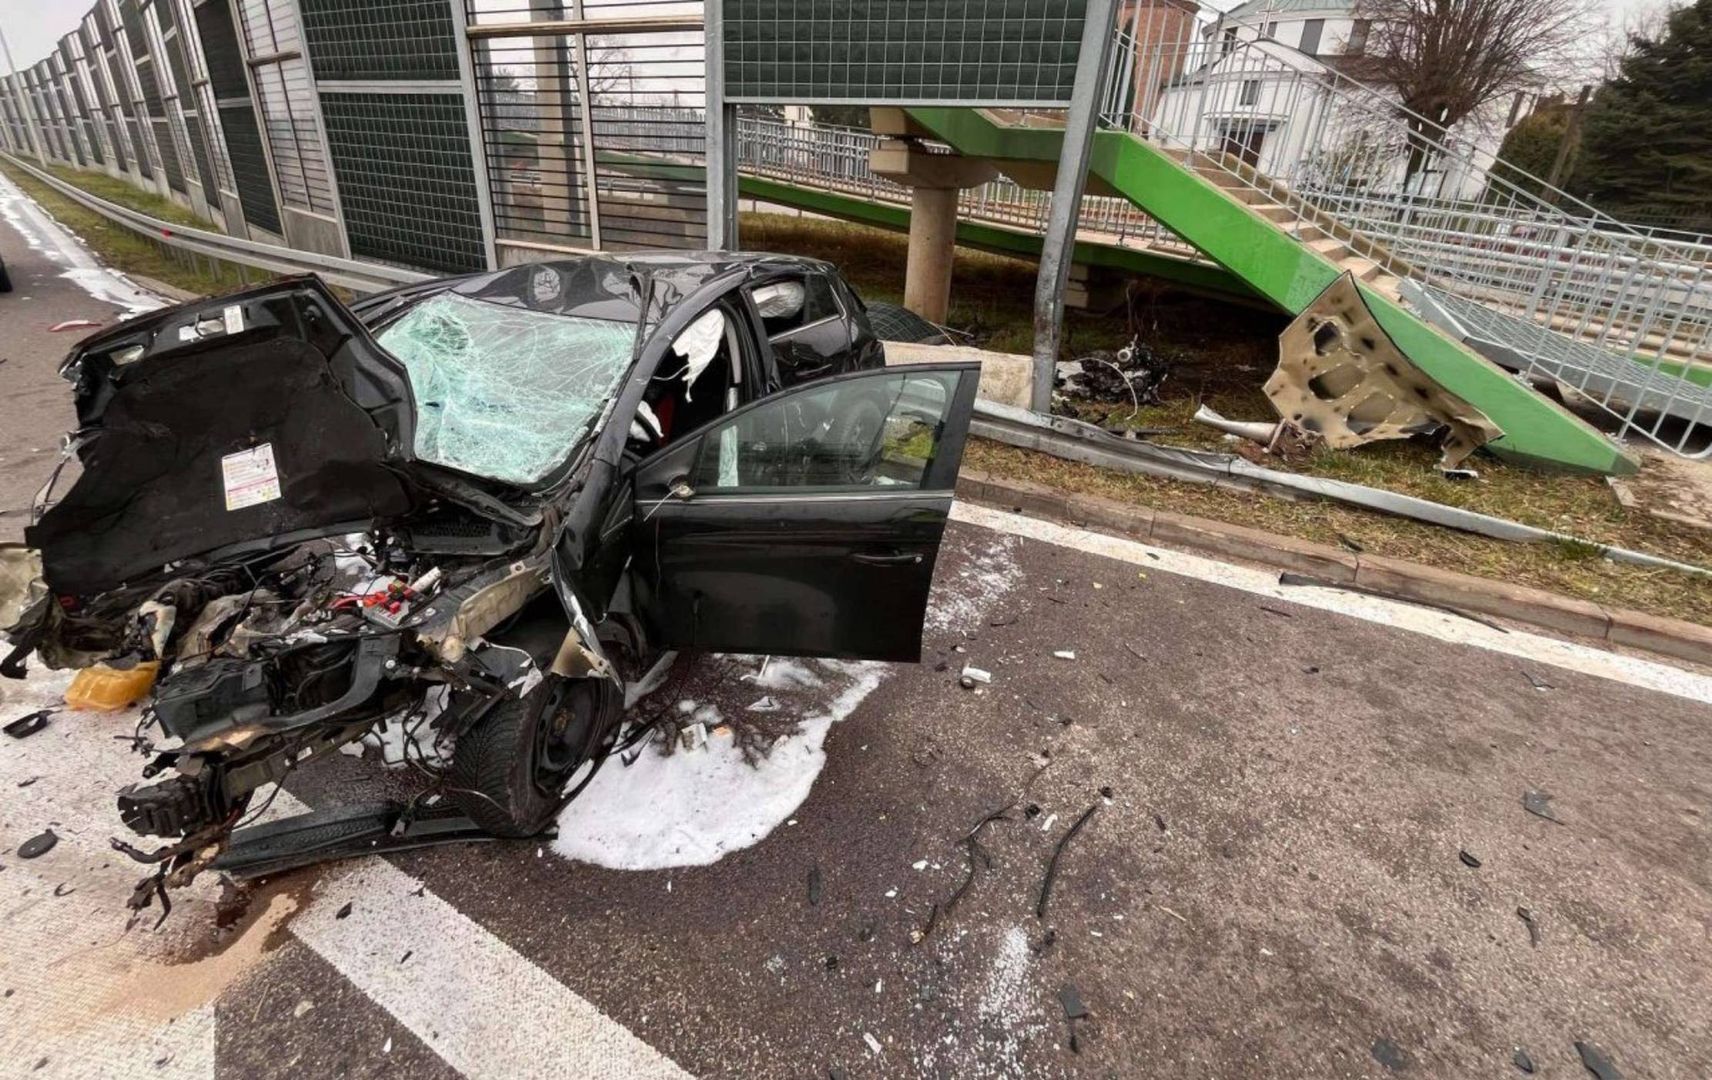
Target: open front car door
<point>807,523</point>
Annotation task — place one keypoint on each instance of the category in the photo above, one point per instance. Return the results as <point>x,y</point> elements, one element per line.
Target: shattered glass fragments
<point>502,392</point>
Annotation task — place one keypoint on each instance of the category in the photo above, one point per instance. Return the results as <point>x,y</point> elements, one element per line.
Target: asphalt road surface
<point>1290,789</point>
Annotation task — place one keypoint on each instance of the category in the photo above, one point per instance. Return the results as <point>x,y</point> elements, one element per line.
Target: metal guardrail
<point>353,274</point>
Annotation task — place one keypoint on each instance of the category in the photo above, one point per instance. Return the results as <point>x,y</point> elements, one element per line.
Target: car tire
<point>5,279</point>
<point>501,775</point>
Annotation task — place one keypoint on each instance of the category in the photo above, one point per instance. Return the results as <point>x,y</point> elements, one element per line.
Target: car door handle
<point>897,558</point>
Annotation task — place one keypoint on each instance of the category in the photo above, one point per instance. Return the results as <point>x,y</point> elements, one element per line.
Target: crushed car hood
<point>261,414</point>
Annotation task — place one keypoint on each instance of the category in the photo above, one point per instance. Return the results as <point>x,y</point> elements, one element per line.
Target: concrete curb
<point>1405,580</point>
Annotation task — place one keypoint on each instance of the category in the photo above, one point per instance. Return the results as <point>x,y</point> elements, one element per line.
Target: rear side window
<point>790,304</point>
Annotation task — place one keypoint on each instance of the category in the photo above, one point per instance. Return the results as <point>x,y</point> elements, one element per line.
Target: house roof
<point>1254,9</point>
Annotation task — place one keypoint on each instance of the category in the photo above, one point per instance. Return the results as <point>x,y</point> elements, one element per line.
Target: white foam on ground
<point>42,233</point>
<point>692,808</point>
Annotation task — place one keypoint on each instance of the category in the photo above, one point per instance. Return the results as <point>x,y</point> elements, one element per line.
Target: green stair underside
<point>1279,267</point>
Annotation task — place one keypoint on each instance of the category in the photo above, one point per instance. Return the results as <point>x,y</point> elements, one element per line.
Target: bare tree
<point>1447,58</point>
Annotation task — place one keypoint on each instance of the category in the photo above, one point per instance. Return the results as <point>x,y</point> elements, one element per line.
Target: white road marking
<point>478,1003</point>
<point>42,233</point>
<point>1587,660</point>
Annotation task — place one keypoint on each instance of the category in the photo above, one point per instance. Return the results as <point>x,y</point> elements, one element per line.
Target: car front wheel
<point>509,771</point>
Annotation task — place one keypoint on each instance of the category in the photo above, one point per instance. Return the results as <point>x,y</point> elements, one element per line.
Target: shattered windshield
<point>503,392</point>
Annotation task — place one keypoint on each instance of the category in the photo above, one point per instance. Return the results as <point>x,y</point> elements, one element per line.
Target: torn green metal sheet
<point>1287,272</point>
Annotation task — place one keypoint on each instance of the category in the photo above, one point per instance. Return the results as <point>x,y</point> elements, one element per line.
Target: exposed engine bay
<point>273,659</point>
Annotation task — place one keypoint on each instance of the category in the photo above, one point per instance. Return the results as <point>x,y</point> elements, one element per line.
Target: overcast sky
<point>33,28</point>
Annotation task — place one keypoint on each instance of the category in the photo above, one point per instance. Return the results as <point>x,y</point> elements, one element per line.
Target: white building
<point>1290,87</point>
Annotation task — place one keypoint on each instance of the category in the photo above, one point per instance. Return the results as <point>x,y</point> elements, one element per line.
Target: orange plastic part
<point>101,687</point>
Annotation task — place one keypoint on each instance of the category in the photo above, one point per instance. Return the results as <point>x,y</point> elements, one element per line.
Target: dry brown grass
<point>1568,569</point>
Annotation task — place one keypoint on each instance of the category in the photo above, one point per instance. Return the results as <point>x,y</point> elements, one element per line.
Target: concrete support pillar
<point>934,181</point>
<point>932,246</point>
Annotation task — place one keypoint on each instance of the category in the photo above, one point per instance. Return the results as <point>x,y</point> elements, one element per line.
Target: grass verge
<point>120,247</point>
<point>1221,354</point>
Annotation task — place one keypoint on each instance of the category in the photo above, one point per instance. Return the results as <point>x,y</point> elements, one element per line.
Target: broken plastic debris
<point>694,736</point>
<point>38,845</point>
<point>1596,1062</point>
<point>976,674</point>
<point>28,724</point>
<point>1523,1061</point>
<point>1065,654</point>
<point>1071,999</point>
<point>1469,860</point>
<point>873,1043</point>
<point>1538,803</point>
<point>1388,1054</point>
<point>766,704</point>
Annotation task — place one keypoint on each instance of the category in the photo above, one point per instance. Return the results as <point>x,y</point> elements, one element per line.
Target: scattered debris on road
<point>1532,924</point>
<point>1389,1054</point>
<point>1596,1062</point>
<point>1057,853</point>
<point>38,845</point>
<point>972,676</point>
<point>1523,1061</point>
<point>1538,803</point>
<point>28,724</point>
<point>1065,654</point>
<point>1071,999</point>
<point>1469,859</point>
<point>815,885</point>
<point>1537,682</point>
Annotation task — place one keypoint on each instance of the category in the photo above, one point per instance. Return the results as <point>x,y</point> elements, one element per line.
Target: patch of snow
<point>691,809</point>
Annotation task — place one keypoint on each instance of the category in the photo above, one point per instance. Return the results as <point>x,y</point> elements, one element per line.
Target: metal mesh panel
<point>531,124</point>
<point>220,47</point>
<point>403,162</point>
<point>249,166</point>
<point>136,131</point>
<point>289,120</point>
<point>996,52</point>
<point>357,39</point>
<point>649,127</point>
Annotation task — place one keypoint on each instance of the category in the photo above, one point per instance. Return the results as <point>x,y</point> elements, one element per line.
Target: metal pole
<point>1059,243</point>
<point>721,152</point>
<point>478,139</point>
<point>585,102</point>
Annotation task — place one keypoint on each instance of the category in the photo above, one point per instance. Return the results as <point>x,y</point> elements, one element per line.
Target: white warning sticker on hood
<point>250,477</point>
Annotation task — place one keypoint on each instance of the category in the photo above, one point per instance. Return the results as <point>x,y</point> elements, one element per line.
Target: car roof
<point>605,286</point>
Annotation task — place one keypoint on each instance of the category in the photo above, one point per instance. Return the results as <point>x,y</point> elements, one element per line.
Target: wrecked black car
<point>476,514</point>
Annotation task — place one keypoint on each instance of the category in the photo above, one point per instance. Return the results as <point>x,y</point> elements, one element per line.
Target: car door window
<point>875,432</point>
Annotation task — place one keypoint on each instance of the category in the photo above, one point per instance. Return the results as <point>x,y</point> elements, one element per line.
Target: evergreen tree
<point>1531,147</point>
<point>1647,145</point>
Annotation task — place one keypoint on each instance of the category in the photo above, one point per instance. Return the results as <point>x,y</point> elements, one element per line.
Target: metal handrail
<point>353,274</point>
<point>1579,297</point>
